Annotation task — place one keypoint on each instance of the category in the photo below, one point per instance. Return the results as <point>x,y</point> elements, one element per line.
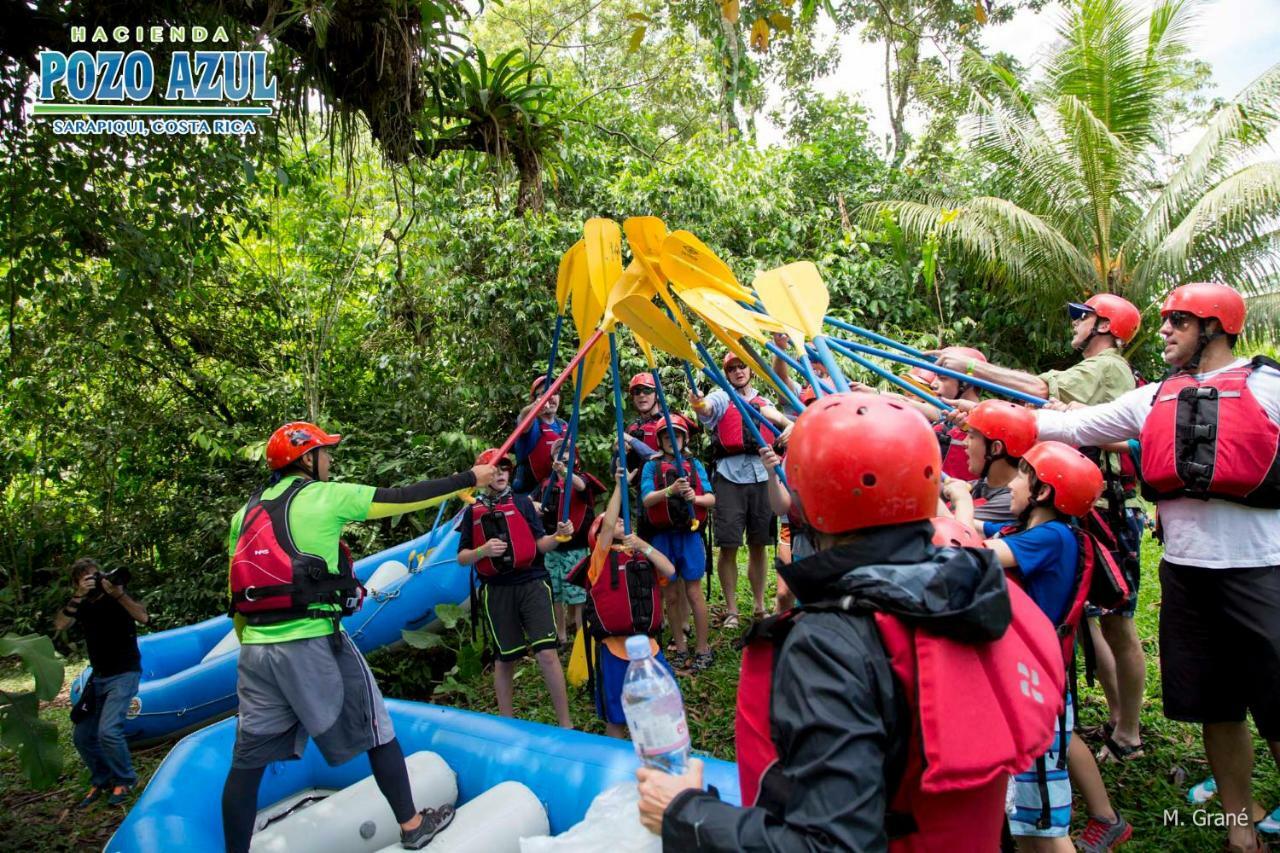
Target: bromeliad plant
<point>1084,201</point>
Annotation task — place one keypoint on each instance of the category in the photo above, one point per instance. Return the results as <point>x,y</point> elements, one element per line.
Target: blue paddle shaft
<point>747,410</point>
<point>945,371</point>
<point>572,440</point>
<point>666,414</point>
<point>872,336</point>
<point>829,362</point>
<point>886,375</point>
<point>767,368</point>
<point>817,384</point>
<point>622,432</point>
<point>555,345</point>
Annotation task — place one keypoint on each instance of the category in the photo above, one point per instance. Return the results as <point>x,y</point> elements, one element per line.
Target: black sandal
<point>434,821</point>
<point>1116,752</point>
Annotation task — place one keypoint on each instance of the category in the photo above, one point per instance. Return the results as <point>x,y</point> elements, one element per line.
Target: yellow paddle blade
<point>580,300</point>
<point>688,262</point>
<point>646,349</point>
<point>715,307</point>
<point>646,321</point>
<point>604,255</point>
<point>576,673</point>
<point>564,275</point>
<point>594,369</point>
<point>645,235</point>
<point>796,295</point>
<point>633,281</point>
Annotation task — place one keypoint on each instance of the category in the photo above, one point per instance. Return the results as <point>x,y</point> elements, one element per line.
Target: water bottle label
<point>661,728</point>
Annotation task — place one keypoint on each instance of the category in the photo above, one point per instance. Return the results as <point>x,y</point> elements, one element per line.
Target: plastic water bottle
<point>654,710</point>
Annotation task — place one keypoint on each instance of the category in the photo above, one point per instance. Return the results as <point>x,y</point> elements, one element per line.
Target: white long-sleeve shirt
<point>1212,534</point>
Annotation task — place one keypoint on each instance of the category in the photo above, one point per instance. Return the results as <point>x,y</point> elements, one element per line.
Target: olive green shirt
<point>1097,379</point>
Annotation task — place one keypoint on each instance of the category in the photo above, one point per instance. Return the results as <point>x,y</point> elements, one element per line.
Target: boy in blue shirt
<point>675,513</point>
<point>1055,484</point>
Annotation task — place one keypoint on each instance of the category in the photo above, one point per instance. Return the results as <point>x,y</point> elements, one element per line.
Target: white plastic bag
<point>612,823</point>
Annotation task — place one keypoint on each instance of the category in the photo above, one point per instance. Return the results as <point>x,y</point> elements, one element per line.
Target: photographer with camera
<point>106,613</point>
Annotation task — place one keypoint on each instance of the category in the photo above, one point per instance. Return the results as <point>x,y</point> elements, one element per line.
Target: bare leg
<point>1105,670</point>
<point>697,605</point>
<point>557,607</point>
<point>1230,751</point>
<point>504,673</point>
<point>671,596</point>
<point>757,573</point>
<point>727,569</point>
<point>553,675</point>
<point>1086,779</point>
<point>575,616</point>
<point>1045,845</point>
<point>783,600</point>
<point>1130,675</point>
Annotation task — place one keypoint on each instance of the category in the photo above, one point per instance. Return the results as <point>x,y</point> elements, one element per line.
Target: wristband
<point>969,369</point>
<point>648,550</point>
<point>667,491</point>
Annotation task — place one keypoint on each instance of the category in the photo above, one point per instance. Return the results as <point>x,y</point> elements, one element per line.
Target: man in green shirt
<point>1100,328</point>
<point>299,675</point>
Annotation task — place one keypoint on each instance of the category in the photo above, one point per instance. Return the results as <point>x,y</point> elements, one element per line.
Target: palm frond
<point>1239,210</point>
<point>1234,129</point>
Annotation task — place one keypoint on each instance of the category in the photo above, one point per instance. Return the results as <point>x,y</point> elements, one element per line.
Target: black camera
<point>115,577</point>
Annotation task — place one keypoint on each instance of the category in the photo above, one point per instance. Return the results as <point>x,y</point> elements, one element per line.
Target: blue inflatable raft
<point>181,808</point>
<point>189,673</point>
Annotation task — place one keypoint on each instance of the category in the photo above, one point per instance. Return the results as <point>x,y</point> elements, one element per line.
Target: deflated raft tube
<point>189,673</point>
<point>565,770</point>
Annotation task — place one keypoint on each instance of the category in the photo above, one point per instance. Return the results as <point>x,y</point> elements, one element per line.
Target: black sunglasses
<point>641,391</point>
<point>1180,319</point>
<point>737,365</point>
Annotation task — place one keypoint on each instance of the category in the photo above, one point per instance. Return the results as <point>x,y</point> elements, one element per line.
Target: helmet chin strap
<point>1204,339</point>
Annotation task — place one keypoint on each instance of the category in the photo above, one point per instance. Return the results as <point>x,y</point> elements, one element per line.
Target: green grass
<point>1141,789</point>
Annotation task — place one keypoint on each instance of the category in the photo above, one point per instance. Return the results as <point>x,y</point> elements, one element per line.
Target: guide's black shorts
<point>1220,645</point>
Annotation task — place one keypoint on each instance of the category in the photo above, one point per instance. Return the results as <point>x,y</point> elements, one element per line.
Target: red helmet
<point>729,358</point>
<point>593,533</point>
<point>1123,314</point>
<point>678,421</point>
<point>949,533</point>
<point>535,385</point>
<point>1207,300</point>
<point>860,460</point>
<point>808,395</point>
<point>964,352</point>
<point>1000,420</point>
<point>1076,480</point>
<point>643,380</point>
<point>294,439</point>
<point>490,457</point>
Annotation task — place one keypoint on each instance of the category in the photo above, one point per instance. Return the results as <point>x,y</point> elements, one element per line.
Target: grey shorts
<point>289,691</point>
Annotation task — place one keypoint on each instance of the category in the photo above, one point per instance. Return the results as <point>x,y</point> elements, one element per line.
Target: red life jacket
<point>272,581</point>
<point>673,513</point>
<point>1212,439</point>
<point>581,505</point>
<point>502,521</point>
<point>952,792</point>
<point>647,431</point>
<point>733,438</point>
<point>955,461</point>
<point>539,458</point>
<point>625,599</point>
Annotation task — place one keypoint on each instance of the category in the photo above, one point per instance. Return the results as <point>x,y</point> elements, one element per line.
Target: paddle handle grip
<point>748,411</point>
<point>547,392</point>
<point>994,387</point>
<point>872,336</point>
<point>889,377</point>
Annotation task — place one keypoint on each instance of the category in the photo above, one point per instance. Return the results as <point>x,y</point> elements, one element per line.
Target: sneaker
<point>702,662</point>
<point>1203,792</point>
<point>119,794</point>
<point>433,821</point>
<point>1269,825</point>
<point>1100,836</point>
<point>91,796</point>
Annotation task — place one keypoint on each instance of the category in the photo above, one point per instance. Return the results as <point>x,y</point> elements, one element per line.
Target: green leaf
<point>34,740</point>
<point>637,38</point>
<point>639,16</point>
<point>450,615</point>
<point>422,639</point>
<point>40,660</point>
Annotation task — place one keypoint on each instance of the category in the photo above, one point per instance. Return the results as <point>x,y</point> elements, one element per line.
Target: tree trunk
<point>530,197</point>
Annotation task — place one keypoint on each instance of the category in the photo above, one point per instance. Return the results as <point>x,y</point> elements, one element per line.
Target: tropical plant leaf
<point>39,658</point>
<point>35,741</point>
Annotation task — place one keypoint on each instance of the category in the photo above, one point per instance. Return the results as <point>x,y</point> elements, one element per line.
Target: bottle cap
<point>638,647</point>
